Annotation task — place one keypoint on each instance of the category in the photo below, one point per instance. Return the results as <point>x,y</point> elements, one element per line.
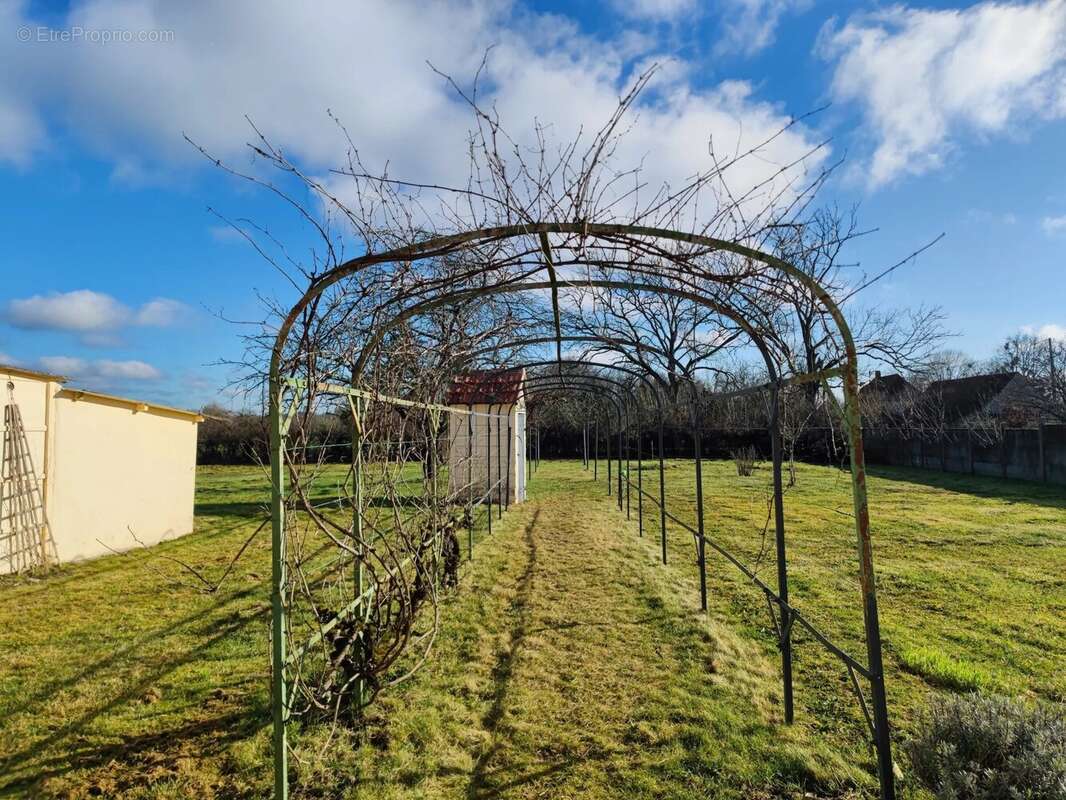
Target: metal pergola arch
<point>626,236</point>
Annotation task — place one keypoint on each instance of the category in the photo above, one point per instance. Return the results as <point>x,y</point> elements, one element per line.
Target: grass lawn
<point>570,663</point>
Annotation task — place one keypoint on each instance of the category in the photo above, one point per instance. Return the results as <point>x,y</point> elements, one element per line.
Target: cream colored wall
<point>488,421</point>
<point>117,470</point>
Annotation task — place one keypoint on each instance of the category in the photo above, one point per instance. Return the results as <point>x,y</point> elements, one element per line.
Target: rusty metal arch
<point>444,245</point>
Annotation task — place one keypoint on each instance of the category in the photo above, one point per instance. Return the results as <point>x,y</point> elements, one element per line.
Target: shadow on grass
<point>1009,490</point>
<point>71,758</point>
<point>232,509</point>
<point>216,622</point>
<point>504,669</point>
<point>139,760</point>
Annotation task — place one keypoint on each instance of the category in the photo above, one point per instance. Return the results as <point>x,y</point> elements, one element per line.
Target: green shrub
<point>991,748</point>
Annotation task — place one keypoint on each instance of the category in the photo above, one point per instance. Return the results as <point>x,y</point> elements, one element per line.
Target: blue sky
<point>952,117</point>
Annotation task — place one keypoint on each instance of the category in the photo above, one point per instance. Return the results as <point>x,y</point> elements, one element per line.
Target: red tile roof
<point>486,386</point>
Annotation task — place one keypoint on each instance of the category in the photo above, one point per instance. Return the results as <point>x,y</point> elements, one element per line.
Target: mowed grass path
<point>570,663</point>
<point>573,665</point>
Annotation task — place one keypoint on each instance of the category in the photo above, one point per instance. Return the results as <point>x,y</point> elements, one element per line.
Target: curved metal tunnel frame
<point>788,614</point>
<point>877,716</point>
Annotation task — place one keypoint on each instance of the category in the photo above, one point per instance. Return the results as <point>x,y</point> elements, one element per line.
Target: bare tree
<point>903,339</point>
<point>1042,361</point>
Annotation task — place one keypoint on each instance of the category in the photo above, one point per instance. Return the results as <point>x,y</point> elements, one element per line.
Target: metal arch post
<point>640,479</point>
<point>499,467</point>
<point>621,425</point>
<point>701,546</point>
<point>662,488</point>
<point>510,466</point>
<point>608,439</point>
<point>279,689</point>
<point>875,663</point>
<point>488,473</point>
<point>470,483</point>
<point>596,450</point>
<point>358,406</point>
<point>785,632</point>
<point>584,445</point>
<point>629,476</point>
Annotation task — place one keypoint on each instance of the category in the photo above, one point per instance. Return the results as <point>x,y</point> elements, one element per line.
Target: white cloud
<point>93,314</point>
<point>127,370</point>
<point>1054,225</point>
<point>1049,331</point>
<point>102,370</point>
<point>64,365</point>
<point>82,311</point>
<point>749,26</point>
<point>22,133</point>
<point>925,78</point>
<point>285,68</point>
<point>160,313</point>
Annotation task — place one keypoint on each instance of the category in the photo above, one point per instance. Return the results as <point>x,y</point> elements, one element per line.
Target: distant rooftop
<point>960,397</point>
<point>486,386</point>
<point>886,386</point>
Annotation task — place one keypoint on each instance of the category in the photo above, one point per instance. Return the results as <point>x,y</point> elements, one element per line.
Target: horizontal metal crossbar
<point>377,397</point>
<point>347,611</point>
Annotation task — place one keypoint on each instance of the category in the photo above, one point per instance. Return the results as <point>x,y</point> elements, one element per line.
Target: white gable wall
<point>109,469</point>
<point>493,427</point>
<point>120,475</point>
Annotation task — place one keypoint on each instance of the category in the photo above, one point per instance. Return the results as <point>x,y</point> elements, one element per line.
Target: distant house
<point>1007,397</point>
<point>885,387</point>
<point>884,398</point>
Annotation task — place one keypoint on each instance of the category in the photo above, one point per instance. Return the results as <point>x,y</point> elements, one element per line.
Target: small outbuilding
<point>487,445</point>
<point>86,473</point>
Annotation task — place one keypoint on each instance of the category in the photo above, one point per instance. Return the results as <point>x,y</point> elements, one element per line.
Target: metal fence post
<point>785,633</point>
<point>629,477</point>
<point>701,548</point>
<point>640,483</point>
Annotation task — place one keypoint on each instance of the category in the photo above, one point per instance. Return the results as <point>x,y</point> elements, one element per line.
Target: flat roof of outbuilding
<point>19,372</point>
<point>98,397</point>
